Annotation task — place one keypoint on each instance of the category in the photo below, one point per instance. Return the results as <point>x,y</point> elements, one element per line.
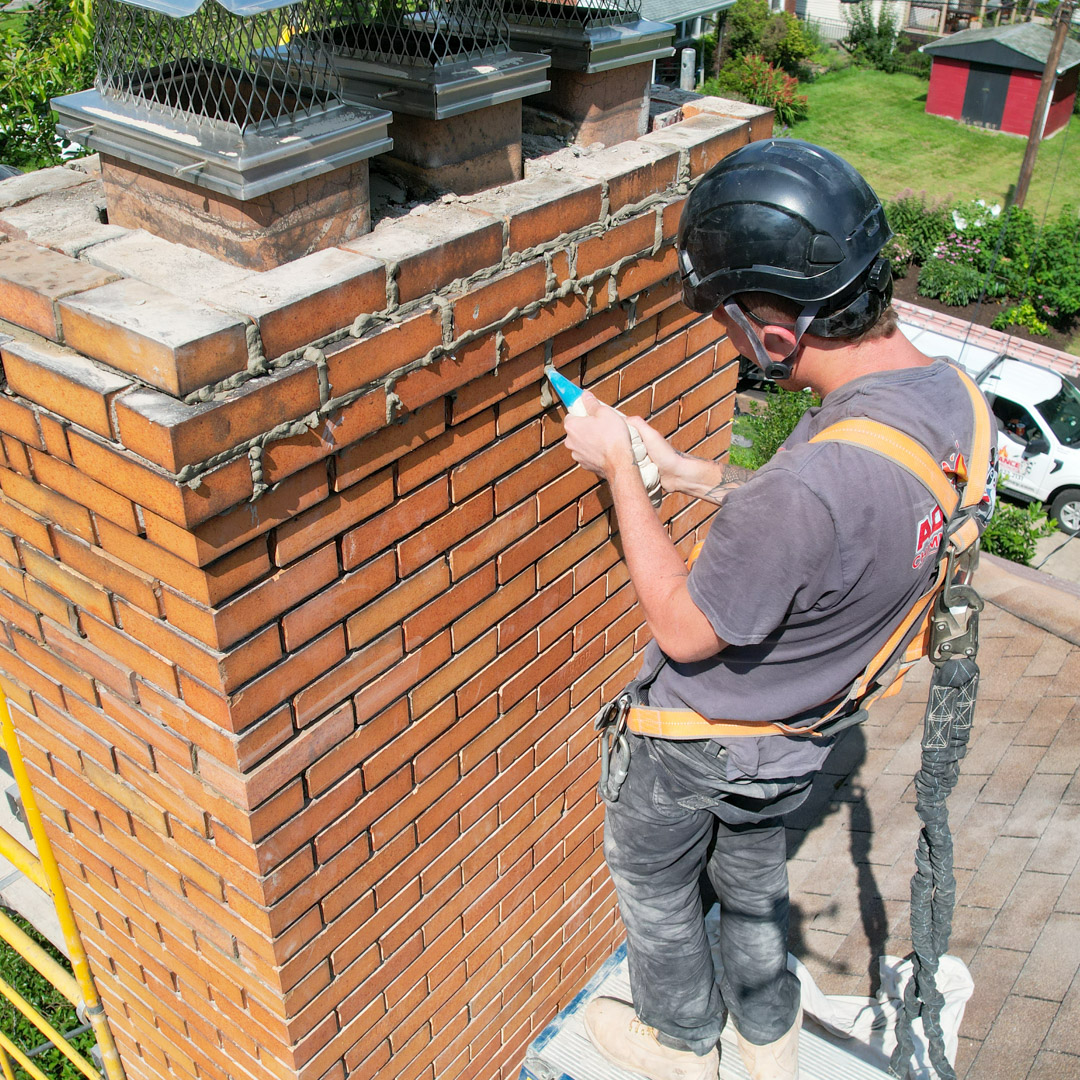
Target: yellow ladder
<point>79,987</point>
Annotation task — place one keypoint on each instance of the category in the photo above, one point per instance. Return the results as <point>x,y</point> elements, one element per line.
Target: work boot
<point>624,1040</point>
<point>777,1060</point>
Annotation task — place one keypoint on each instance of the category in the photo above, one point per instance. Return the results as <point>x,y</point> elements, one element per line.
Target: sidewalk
<point>1016,819</point>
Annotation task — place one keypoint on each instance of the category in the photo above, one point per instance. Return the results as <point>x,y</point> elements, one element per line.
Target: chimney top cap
<point>180,9</point>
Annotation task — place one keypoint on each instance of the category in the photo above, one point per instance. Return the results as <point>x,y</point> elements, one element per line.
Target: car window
<point>1062,414</point>
<point>1015,419</point>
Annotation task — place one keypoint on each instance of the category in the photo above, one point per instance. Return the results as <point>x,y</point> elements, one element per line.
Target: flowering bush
<point>1023,315</point>
<point>899,252</point>
<point>753,78</point>
<point>955,284</point>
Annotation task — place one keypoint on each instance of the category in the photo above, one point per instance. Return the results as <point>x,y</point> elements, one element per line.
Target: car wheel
<point>1066,509</point>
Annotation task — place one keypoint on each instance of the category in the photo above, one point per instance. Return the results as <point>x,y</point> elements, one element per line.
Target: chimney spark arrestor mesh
<point>237,96</point>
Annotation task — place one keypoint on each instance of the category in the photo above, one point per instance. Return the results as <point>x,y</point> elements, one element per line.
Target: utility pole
<point>1038,121</point>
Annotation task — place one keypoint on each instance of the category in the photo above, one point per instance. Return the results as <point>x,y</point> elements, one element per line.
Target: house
<point>990,77</point>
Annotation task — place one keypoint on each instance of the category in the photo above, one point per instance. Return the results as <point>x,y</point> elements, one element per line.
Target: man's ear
<point>779,341</point>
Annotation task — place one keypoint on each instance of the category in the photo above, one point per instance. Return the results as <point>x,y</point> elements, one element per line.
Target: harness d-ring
<point>614,746</point>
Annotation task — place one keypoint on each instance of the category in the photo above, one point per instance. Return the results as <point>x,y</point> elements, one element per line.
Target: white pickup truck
<point>1038,417</point>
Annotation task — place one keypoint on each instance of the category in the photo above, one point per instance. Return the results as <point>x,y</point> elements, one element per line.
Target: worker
<point>808,567</point>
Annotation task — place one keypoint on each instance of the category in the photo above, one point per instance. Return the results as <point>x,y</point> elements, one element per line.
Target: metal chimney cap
<point>179,9</point>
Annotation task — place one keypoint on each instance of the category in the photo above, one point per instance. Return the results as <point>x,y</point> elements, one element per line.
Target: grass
<point>878,122</point>
<point>36,989</point>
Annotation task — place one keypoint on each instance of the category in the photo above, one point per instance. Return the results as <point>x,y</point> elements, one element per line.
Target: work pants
<point>675,815</point>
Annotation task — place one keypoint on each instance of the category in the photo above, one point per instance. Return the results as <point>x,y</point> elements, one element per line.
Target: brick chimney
<point>305,610</point>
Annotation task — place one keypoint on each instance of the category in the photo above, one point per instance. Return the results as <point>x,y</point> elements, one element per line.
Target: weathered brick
<point>391,607</point>
<point>440,453</point>
<point>171,434</point>
<point>60,476</point>
<point>453,603</point>
<point>20,422</point>
<point>491,302</point>
<point>309,297</point>
<point>548,321</point>
<point>405,516</point>
<point>705,139</point>
<point>63,381</point>
<point>485,543</point>
<point>442,376</point>
<point>32,279</point>
<point>540,208</point>
<point>356,362</point>
<point>373,453</point>
<point>81,591</point>
<point>433,247</point>
<point>144,331</point>
<point>48,504</point>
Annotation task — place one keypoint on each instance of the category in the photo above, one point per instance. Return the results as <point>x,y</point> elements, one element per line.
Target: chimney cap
<point>180,9</point>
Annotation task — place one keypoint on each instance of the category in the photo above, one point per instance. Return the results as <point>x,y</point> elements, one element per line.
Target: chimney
<point>450,78</point>
<point>601,63</point>
<point>220,126</point>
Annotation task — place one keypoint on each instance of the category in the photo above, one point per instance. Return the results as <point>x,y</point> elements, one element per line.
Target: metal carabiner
<point>614,746</point>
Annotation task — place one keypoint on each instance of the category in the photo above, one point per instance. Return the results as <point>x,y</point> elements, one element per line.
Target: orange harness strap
<point>916,460</point>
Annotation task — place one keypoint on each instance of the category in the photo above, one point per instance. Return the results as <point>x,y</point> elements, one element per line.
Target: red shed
<point>990,77</point>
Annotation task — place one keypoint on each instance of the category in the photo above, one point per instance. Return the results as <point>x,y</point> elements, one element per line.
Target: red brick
<point>348,676</point>
<point>353,363</point>
<point>310,297</point>
<point>48,504</point>
<point>532,547</point>
<point>228,531</point>
<point>339,600</point>
<point>24,617</point>
<point>20,422</point>
<point>221,487</point>
<point>439,454</point>
<point>648,270</point>
<point>483,545</point>
<point>45,661</point>
<point>392,606</point>
<point>453,674</point>
<point>553,318</point>
<point>434,246</point>
<point>499,458</point>
<point>679,380</point>
<point>373,453</point>
<point>452,604</point>
<point>463,364</point>
<point>16,457</point>
<point>175,346</point>
<point>442,533</point>
<point>63,381</point>
<point>171,434</point>
<point>330,517</point>
<point>526,481</point>
<point>507,597</point>
<point>90,660</point>
<point>405,516</point>
<point>610,355</point>
<point>676,318</point>
<point>146,663</point>
<point>491,302</point>
<point>32,279</point>
<point>61,477</point>
<point>495,387</point>
<point>79,590</point>
<point>628,238</point>
<point>400,679</point>
<point>704,138</point>
<point>210,586</point>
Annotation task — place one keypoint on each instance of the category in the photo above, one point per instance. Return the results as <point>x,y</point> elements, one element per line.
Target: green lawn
<point>878,123</point>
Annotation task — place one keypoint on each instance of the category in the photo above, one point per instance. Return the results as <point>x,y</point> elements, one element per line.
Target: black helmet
<point>790,219</point>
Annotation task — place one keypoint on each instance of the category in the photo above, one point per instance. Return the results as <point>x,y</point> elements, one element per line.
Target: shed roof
<point>1019,45</point>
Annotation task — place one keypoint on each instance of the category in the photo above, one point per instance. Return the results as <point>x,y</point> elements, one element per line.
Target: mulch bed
<point>905,289</point>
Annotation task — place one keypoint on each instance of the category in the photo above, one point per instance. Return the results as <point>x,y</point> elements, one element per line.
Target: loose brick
<point>144,331</point>
<point>48,504</point>
<point>309,297</point>
<point>171,434</point>
<point>63,381</point>
<point>356,362</point>
<point>337,513</point>
<point>32,279</point>
<point>392,606</point>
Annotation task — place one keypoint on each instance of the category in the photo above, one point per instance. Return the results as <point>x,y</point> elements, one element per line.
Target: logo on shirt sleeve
<point>928,538</point>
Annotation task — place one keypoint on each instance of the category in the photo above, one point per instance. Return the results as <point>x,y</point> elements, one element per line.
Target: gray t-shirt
<point>810,566</point>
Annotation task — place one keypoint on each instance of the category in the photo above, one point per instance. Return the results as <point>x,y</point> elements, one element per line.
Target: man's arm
<point>601,443</point>
<point>698,477</point>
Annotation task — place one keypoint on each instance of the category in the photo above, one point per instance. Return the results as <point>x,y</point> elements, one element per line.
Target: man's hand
<point>599,442</point>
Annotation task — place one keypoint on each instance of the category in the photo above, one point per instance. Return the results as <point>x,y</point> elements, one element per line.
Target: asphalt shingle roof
<point>1029,42</point>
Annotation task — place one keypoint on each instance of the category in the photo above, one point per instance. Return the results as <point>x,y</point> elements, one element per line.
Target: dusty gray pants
<point>676,815</point>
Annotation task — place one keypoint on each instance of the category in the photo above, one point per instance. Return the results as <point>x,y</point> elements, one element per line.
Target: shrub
<point>49,54</point>
<point>872,41</point>
<point>770,423</point>
<point>1014,531</point>
<point>1022,315</point>
<point>954,284</point>
<point>899,253</point>
<point>923,221</point>
<point>757,81</point>
<point>784,43</point>
<point>746,23</point>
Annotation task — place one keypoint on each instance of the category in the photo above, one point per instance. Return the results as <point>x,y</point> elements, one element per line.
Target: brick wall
<point>306,610</point>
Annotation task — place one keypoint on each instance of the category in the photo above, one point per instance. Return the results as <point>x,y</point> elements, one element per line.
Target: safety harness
<point>942,625</point>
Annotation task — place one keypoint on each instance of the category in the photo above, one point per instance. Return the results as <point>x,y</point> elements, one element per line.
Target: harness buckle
<point>954,621</point>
